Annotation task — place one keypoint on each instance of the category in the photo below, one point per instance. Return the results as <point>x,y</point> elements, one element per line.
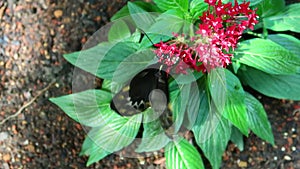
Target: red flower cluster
<point>220,28</point>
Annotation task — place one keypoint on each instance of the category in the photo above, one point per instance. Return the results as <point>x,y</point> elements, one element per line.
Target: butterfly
<point>148,88</point>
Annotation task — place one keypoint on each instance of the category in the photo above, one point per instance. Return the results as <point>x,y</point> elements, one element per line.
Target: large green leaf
<point>102,60</point>
<point>268,56</point>
<point>154,137</point>
<point>211,130</point>
<point>277,86</point>
<point>85,107</point>
<point>212,136</point>
<point>141,17</point>
<point>117,132</point>
<point>181,5</point>
<point>288,19</point>
<point>235,109</point>
<point>269,7</point>
<point>180,154</point>
<point>289,42</point>
<point>257,119</point>
<point>179,100</point>
<point>118,31</point>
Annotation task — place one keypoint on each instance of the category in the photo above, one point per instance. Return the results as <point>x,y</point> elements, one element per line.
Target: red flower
<point>220,29</point>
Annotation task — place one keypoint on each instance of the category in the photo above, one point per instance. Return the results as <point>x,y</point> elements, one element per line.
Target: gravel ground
<point>33,37</point>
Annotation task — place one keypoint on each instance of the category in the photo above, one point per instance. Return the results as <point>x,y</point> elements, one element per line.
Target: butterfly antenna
<point>143,32</point>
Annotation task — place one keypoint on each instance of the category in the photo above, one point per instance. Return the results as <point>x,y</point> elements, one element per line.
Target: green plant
<point>205,91</point>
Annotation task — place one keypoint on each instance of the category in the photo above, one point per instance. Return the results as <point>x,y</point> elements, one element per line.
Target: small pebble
<point>285,134</point>
<point>57,85</point>
<point>30,148</point>
<point>26,142</point>
<point>282,148</point>
<point>58,13</point>
<point>293,129</point>
<point>275,158</point>
<point>3,136</point>
<point>5,166</point>
<point>6,157</point>
<point>287,158</point>
<point>294,148</point>
<point>242,164</point>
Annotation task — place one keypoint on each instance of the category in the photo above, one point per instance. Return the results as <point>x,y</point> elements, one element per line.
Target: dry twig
<point>27,104</point>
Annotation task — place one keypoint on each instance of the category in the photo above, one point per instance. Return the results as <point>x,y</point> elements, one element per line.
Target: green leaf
<point>212,136</point>
<point>133,64</point>
<point>197,7</point>
<point>167,23</point>
<point>181,5</point>
<point>124,12</point>
<point>154,137</point>
<point>179,99</point>
<point>235,109</point>
<point>288,19</point>
<point>289,42</point>
<point>204,103</point>
<point>85,107</point>
<point>269,7</point>
<point>193,107</point>
<point>235,66</point>
<point>181,154</point>
<point>266,55</point>
<point>258,120</point>
<point>118,31</point>
<point>211,130</point>
<point>142,18</point>
<point>94,151</point>
<point>237,138</point>
<point>102,60</point>
<point>117,132</point>
<point>228,96</point>
<point>97,155</point>
<point>277,86</point>
<point>217,86</point>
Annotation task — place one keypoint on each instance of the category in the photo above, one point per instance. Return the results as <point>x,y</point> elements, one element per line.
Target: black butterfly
<point>148,88</point>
